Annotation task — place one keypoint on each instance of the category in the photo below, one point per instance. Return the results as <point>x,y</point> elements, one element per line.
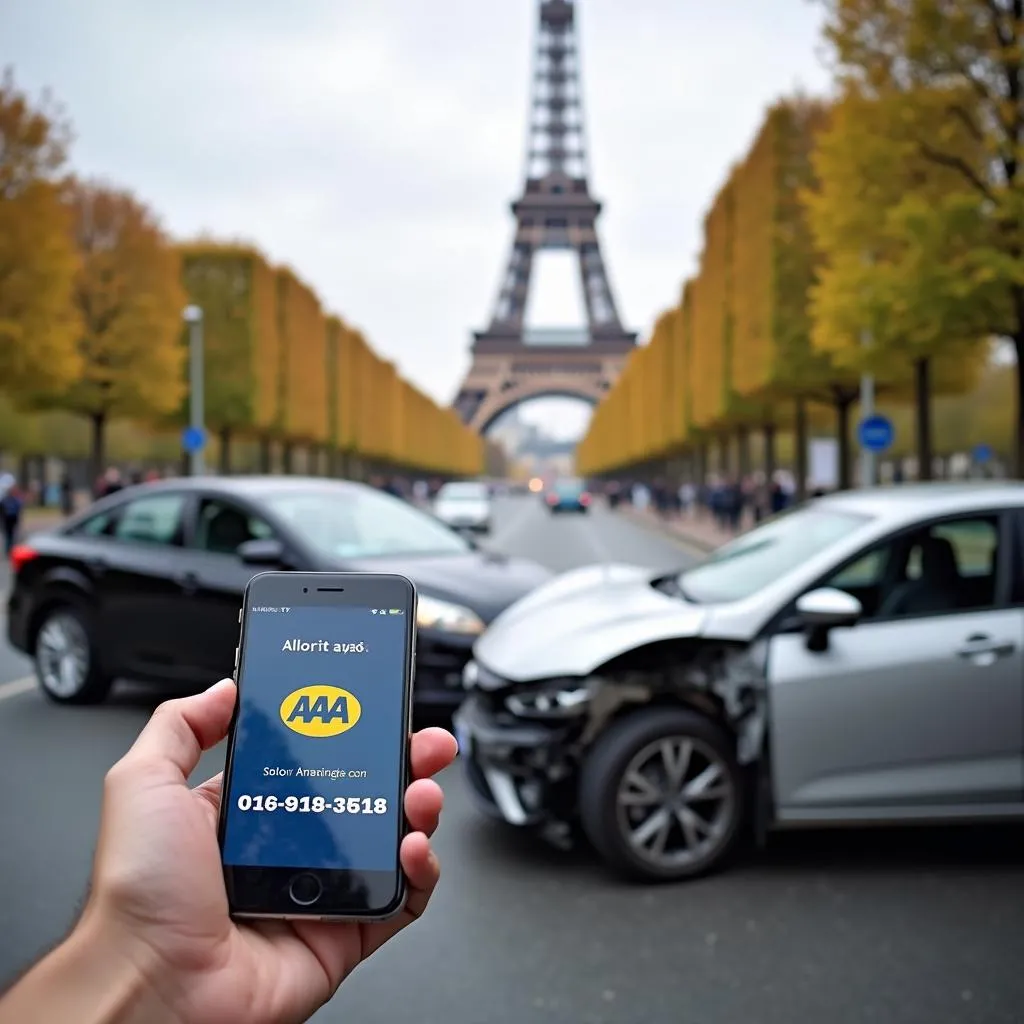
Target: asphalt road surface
<point>920,926</point>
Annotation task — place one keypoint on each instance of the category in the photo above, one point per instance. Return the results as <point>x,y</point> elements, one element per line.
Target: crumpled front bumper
<point>520,772</point>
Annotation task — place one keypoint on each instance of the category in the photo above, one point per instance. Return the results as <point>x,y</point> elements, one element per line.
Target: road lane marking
<point>17,686</point>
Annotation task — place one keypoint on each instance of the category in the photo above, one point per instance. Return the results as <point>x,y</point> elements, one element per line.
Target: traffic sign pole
<point>196,382</point>
<point>868,459</point>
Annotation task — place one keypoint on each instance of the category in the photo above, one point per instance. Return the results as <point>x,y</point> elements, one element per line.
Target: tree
<point>889,298</point>
<point>775,367</point>
<point>234,287</point>
<point>38,332</point>
<point>129,298</point>
<point>971,50</point>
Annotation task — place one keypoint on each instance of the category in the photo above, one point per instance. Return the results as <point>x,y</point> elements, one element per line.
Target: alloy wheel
<point>675,802</point>
<point>62,655</point>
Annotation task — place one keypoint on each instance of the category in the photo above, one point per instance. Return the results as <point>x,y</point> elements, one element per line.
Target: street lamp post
<point>193,316</point>
<point>868,459</point>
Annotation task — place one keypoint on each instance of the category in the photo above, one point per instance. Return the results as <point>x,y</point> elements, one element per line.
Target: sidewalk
<point>696,530</point>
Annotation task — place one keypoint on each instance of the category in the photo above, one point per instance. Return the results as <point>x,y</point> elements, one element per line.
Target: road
<point>904,927</point>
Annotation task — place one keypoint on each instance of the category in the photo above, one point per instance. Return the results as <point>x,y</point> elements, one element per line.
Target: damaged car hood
<point>581,619</point>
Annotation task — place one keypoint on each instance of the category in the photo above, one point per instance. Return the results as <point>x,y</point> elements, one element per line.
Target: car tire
<point>66,661</point>
<point>626,784</point>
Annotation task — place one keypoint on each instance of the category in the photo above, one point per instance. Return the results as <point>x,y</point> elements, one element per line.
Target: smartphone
<point>317,764</point>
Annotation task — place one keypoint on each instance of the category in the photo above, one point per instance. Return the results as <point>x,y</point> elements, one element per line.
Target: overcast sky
<point>375,145</point>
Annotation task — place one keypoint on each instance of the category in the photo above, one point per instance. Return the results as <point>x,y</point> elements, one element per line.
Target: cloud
<point>375,146</point>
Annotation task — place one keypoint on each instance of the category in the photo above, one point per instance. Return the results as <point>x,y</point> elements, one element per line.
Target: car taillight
<point>584,498</point>
<point>552,499</point>
<point>21,555</point>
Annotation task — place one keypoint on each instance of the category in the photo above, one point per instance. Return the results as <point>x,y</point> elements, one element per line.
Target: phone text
<point>314,804</point>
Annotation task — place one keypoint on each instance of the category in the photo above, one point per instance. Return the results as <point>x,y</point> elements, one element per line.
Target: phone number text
<point>314,804</point>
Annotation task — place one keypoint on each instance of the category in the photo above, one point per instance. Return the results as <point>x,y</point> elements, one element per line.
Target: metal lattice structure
<point>555,211</point>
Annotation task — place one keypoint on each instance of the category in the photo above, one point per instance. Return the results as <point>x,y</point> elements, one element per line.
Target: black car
<point>147,584</point>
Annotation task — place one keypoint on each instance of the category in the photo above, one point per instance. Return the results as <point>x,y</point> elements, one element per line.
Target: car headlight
<point>564,700</point>
<point>446,617</point>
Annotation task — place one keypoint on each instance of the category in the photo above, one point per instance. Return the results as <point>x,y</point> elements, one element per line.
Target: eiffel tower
<point>554,212</point>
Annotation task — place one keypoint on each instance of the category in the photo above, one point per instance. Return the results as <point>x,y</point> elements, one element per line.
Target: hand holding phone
<point>312,817</point>
<point>155,930</point>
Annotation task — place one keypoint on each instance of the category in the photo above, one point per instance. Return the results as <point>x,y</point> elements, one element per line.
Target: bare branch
<point>957,164</point>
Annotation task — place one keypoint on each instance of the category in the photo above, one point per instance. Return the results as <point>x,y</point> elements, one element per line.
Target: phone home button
<point>305,889</point>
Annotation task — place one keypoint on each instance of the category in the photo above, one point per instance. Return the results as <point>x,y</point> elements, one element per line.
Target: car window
<point>154,519</point>
<point>222,527</point>
<point>463,492</point>
<point>98,525</point>
<point>360,523</point>
<point>767,553</point>
<point>939,569</point>
<point>866,571</point>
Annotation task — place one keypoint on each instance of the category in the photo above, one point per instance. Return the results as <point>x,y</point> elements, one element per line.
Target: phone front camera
<point>305,590</point>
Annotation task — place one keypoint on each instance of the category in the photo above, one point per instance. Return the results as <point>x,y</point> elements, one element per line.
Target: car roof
<point>899,501</point>
<point>252,487</point>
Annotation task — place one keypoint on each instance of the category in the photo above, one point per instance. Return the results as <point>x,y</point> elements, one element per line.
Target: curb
<point>657,526</point>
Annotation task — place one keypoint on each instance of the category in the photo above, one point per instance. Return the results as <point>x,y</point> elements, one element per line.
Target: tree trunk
<point>264,455</point>
<point>1017,457</point>
<point>286,457</point>
<point>225,451</point>
<point>743,451</point>
<point>769,452</point>
<point>97,445</point>
<point>725,467</point>
<point>923,417</point>
<point>842,404</point>
<point>800,449</point>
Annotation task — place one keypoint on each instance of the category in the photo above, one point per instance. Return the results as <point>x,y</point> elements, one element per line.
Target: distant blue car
<point>568,496</point>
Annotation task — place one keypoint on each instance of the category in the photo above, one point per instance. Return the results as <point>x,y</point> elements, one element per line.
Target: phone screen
<point>316,766</point>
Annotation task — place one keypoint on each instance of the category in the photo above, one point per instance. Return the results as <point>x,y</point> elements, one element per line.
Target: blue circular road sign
<point>193,439</point>
<point>876,433</point>
<point>982,453</point>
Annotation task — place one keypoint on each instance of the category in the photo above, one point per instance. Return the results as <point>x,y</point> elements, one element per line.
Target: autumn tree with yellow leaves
<point>890,298</point>
<point>38,332</point>
<point>129,301</point>
<point>970,239</point>
<point>235,287</point>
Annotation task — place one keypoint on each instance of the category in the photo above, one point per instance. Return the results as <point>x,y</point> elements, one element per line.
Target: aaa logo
<point>320,710</point>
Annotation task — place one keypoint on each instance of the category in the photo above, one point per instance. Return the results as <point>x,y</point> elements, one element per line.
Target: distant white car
<point>464,505</point>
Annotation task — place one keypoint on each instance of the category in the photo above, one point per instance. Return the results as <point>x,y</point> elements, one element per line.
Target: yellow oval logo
<point>320,710</point>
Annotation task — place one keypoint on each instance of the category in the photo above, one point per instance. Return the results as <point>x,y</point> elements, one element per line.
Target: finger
<point>431,750</point>
<point>180,730</point>
<point>422,871</point>
<point>211,790</point>
<point>423,802</point>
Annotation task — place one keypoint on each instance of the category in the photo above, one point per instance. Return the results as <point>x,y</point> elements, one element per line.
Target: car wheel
<point>65,656</point>
<point>661,796</point>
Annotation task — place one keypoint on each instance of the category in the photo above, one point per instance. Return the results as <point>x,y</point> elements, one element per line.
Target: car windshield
<point>745,565</point>
<point>569,487</point>
<point>363,524</point>
<point>463,492</point>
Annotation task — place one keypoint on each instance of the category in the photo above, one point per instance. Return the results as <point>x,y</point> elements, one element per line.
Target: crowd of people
<point>731,502</point>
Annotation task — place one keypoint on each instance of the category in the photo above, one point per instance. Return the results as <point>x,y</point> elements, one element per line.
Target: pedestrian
<point>110,483</point>
<point>155,942</point>
<point>11,505</point>
<point>67,493</point>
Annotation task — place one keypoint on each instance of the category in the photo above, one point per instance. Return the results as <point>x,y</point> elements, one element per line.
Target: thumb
<point>180,730</point>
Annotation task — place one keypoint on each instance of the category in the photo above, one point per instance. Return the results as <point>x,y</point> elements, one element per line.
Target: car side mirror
<point>826,609</point>
<point>469,537</point>
<point>263,551</point>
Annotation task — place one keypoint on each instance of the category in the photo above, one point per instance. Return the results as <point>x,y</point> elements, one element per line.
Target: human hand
<point>158,896</point>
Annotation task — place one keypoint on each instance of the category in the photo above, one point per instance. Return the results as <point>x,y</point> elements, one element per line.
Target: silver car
<point>858,660</point>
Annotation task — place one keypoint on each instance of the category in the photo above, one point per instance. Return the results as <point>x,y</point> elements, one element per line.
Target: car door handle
<point>188,581</point>
<point>983,650</point>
